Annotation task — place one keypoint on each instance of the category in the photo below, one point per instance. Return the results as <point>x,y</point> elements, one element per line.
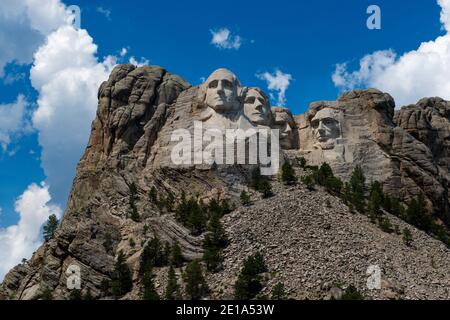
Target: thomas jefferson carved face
<point>257,107</point>
<point>326,128</point>
<point>222,89</point>
<point>285,123</point>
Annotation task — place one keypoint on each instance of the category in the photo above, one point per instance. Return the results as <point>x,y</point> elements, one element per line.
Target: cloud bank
<point>423,72</point>
<point>21,240</point>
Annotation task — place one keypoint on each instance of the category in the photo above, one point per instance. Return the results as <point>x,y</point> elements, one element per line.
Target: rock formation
<point>130,150</point>
<point>406,150</point>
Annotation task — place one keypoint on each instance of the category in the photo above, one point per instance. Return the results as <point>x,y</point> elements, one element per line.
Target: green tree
<point>248,284</point>
<point>352,293</point>
<point>302,162</point>
<point>149,287</point>
<point>196,287</point>
<point>308,181</point>
<point>288,173</point>
<point>265,188</point>
<point>245,198</point>
<point>196,219</point>
<point>88,295</point>
<point>176,256</point>
<point>376,198</point>
<point>47,294</point>
<point>278,292</point>
<point>407,237</point>
<point>121,280</point>
<point>153,256</point>
<point>385,224</point>
<point>50,227</point>
<point>172,287</point>
<point>417,214</point>
<point>75,295</point>
<point>170,201</point>
<point>153,195</point>
<point>215,240</point>
<point>357,187</point>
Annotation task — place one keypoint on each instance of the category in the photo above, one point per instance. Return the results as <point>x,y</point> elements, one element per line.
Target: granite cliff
<point>308,245</point>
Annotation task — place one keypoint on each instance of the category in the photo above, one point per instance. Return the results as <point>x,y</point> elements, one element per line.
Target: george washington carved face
<point>222,90</point>
<point>326,128</point>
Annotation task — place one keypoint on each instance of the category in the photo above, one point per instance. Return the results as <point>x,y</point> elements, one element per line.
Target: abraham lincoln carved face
<point>326,128</point>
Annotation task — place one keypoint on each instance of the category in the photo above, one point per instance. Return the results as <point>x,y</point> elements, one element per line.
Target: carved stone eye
<point>213,84</point>
<point>250,100</point>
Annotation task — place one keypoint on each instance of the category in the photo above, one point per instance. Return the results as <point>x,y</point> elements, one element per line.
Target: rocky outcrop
<point>406,150</point>
<point>129,152</point>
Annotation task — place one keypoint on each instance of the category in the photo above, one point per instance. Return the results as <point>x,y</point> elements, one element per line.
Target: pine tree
<point>288,174</point>
<point>153,256</point>
<point>197,218</point>
<point>245,198</point>
<point>248,284</point>
<point>176,258</point>
<point>172,287</point>
<point>88,295</point>
<point>196,287</point>
<point>47,294</point>
<point>121,280</point>
<point>149,287</point>
<point>153,195</point>
<point>278,292</point>
<point>170,202</point>
<point>352,293</point>
<point>407,237</point>
<point>417,215</point>
<point>308,181</point>
<point>75,295</point>
<point>375,201</point>
<point>265,188</point>
<point>50,227</point>
<point>357,186</point>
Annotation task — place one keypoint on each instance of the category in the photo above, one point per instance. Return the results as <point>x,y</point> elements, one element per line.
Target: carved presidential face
<point>285,123</point>
<point>222,88</point>
<point>257,107</point>
<point>326,127</point>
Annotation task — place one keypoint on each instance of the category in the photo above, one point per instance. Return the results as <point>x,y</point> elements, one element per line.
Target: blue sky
<point>305,39</point>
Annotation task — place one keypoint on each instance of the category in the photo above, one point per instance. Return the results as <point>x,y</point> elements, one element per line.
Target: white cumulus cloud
<point>24,25</point>
<point>13,121</point>
<point>67,75</point>
<point>223,39</point>
<point>278,82</point>
<point>21,240</point>
<point>419,73</point>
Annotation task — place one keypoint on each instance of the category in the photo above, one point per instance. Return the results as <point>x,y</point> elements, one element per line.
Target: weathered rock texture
<point>308,245</point>
<point>407,150</point>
